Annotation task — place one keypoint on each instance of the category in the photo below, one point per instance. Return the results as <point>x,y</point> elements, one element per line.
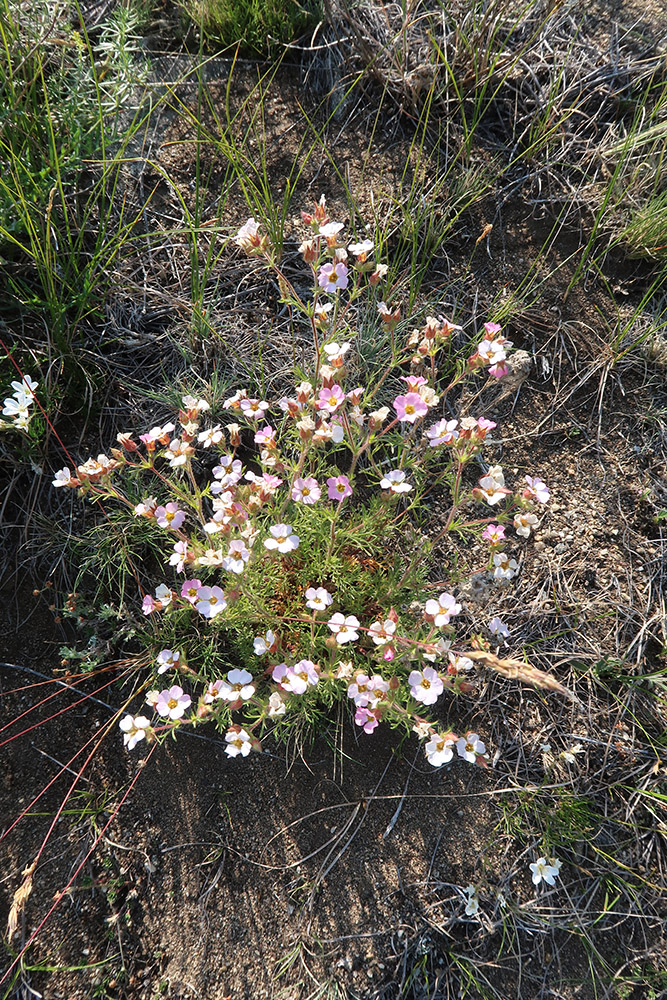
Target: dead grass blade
<point>518,670</point>
<point>20,899</point>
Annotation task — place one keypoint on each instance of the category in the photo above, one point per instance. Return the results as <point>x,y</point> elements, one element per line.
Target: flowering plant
<point>296,570</point>
<point>16,408</point>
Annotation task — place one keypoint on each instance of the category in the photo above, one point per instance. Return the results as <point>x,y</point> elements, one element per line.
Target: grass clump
<point>258,27</point>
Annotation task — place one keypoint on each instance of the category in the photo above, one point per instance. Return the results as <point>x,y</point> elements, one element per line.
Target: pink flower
<point>484,425</point>
<point>367,718</point>
<point>494,533</point>
<point>332,278</point>
<point>190,589</point>
<point>414,382</point>
<point>148,605</point>
<point>499,371</point>
<point>172,703</point>
<point>536,490</point>
<point>339,487</point>
<point>254,409</point>
<point>266,437</point>
<point>306,490</point>
<point>444,432</point>
<point>331,399</point>
<point>213,692</point>
<point>410,407</point>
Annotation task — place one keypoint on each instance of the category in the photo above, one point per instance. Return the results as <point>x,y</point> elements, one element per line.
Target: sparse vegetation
<point>508,162</point>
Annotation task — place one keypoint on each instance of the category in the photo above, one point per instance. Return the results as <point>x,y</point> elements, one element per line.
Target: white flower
<point>344,628</point>
<point>382,632</point>
<point>330,230</point>
<point>276,705</point>
<point>336,352</point>
<point>444,432</point>
<point>505,566</point>
<point>472,902</point>
<point>523,523</point>
<point>282,538</point>
<point>492,351</point>
<point>262,644</point>
<point>239,742</point>
<point>167,660</point>
<point>163,594</point>
<point>470,747</point>
<point>395,481</point>
<point>361,249</point>
<point>238,685</point>
<point>211,557</point>
<point>25,388</point>
<point>318,598</point>
<point>437,649</point>
<point>544,871</point>
<point>423,729</point>
<point>237,557</point>
<point>439,750</point>
<point>16,408</point>
<point>210,601</point>
<point>459,664</point>
<point>134,729</point>
<point>443,609</point>
<point>247,237</point>
<point>425,685</point>
<point>178,453</point>
<point>569,755</point>
<point>63,477</point>
<point>213,435</point>
<point>492,486</point>
<point>360,691</point>
<point>498,627</point>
